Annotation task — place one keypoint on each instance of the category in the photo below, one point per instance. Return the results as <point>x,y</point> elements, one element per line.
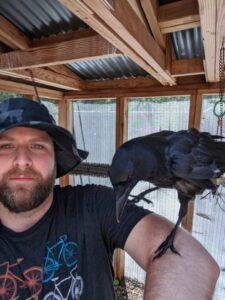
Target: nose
<point>22,158</point>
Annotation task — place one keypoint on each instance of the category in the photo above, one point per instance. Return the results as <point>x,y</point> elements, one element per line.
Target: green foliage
<point>98,101</point>
<point>4,95</point>
<point>161,99</point>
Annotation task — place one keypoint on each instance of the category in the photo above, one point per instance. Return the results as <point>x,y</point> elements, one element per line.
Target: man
<point>57,243</point>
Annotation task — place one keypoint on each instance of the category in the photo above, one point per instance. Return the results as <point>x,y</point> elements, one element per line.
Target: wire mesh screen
<point>87,179</point>
<point>95,124</point>
<point>209,210</point>
<point>53,108</point>
<point>145,116</point>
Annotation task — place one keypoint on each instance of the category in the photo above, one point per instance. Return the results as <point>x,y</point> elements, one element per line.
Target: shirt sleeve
<point>114,233</point>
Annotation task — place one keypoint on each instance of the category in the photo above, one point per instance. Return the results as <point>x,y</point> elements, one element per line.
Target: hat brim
<point>66,153</point>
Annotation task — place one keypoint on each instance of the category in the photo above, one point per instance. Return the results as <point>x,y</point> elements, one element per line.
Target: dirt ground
<point>129,289</point>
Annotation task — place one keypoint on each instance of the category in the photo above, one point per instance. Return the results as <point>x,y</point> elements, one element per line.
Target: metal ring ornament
<point>220,114</point>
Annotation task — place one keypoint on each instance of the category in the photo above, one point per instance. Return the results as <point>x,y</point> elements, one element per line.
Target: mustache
<point>16,172</point>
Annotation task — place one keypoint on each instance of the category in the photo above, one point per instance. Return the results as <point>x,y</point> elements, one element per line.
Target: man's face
<point>27,168</point>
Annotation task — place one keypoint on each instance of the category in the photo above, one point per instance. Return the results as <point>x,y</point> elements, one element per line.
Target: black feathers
<point>187,160</point>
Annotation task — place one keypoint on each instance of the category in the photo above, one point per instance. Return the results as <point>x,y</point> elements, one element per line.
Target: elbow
<point>215,269</point>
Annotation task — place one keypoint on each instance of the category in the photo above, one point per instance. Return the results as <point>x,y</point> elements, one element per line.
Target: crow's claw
<point>138,198</point>
<point>167,244</point>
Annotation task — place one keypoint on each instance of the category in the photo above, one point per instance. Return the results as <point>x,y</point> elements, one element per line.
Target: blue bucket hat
<point>15,112</point>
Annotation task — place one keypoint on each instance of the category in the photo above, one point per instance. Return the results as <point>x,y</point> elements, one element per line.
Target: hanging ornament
<point>218,109</point>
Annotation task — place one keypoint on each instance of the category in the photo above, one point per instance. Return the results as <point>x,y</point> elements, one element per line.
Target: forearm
<point>189,276</point>
<point>192,275</point>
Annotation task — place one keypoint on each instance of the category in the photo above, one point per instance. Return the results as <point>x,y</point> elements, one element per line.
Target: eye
<point>37,146</point>
<point>7,146</point>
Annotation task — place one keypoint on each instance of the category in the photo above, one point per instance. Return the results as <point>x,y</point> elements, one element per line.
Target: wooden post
<point>31,97</point>
<point>63,121</point>
<point>121,137</point>
<point>194,122</point>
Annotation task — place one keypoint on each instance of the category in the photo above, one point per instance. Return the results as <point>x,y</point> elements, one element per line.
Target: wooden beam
<point>11,35</point>
<point>136,6</point>
<point>192,110</point>
<point>121,137</point>
<point>178,16</point>
<point>169,53</point>
<point>120,83</point>
<point>198,110</point>
<point>63,37</point>
<point>137,83</point>
<point>25,43</point>
<point>212,16</point>
<point>47,77</point>
<point>187,67</point>
<point>129,28</point>
<point>185,89</point>
<point>94,21</point>
<point>76,50</point>
<point>25,89</point>
<point>61,69</point>
<point>121,120</point>
<point>149,9</point>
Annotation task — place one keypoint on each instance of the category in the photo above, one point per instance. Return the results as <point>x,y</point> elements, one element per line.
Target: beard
<point>21,198</point>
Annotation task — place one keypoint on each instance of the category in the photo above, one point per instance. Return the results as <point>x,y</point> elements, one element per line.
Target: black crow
<point>187,160</point>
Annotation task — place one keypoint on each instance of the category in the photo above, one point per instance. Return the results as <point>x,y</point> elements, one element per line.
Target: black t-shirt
<point>68,253</point>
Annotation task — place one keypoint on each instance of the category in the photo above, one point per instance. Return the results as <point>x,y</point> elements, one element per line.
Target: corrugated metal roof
<point>108,68</point>
<point>188,43</point>
<point>40,18</point>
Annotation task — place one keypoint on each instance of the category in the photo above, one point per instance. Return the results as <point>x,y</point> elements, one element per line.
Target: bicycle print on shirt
<point>66,255</point>
<point>61,253</point>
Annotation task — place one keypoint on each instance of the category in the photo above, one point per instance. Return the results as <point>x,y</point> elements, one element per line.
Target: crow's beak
<point>121,193</point>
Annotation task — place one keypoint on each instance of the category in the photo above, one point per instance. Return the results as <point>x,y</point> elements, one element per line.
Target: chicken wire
<point>209,212</point>
<point>94,125</point>
<point>52,106</point>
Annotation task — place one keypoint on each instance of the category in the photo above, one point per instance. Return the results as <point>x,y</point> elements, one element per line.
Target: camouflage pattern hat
<point>15,112</point>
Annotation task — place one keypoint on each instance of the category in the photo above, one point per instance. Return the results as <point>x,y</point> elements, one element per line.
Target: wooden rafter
<point>186,88</point>
<point>143,44</point>
<point>150,9</point>
<point>25,89</point>
<point>136,6</point>
<point>69,51</point>
<point>187,67</point>
<point>61,69</point>
<point>47,77</point>
<point>179,15</point>
<point>178,68</point>
<point>212,16</point>
<point>120,83</point>
<point>111,34</point>
<point>12,36</point>
<point>63,37</point>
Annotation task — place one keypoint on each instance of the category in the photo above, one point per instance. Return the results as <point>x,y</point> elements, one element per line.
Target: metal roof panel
<point>40,18</point>
<point>108,68</point>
